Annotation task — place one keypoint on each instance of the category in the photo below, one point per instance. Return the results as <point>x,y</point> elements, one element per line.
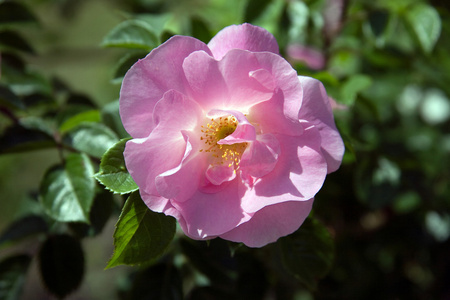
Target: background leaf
<point>141,235</point>
<point>308,253</point>
<point>92,138</point>
<point>135,34</point>
<point>22,228</point>
<point>254,9</point>
<point>9,99</point>
<point>61,262</point>
<point>78,119</point>
<point>17,138</point>
<point>14,13</point>
<point>161,281</point>
<point>113,173</point>
<point>11,40</point>
<point>426,24</point>
<point>12,276</point>
<point>67,192</point>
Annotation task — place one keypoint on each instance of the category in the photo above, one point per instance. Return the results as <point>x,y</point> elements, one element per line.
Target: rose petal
<point>181,182</point>
<point>225,84</point>
<point>271,223</point>
<point>218,174</point>
<point>316,109</point>
<point>279,114</point>
<point>298,174</point>
<point>261,156</point>
<point>244,132</point>
<point>245,37</point>
<point>264,78</point>
<point>209,215</point>
<point>165,148</point>
<point>148,79</point>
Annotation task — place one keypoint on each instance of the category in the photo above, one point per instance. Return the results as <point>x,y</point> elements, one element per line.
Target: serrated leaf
<point>92,138</point>
<point>353,86</point>
<point>113,173</point>
<point>12,276</point>
<point>67,192</point>
<point>61,262</point>
<point>308,253</point>
<point>22,228</point>
<point>135,34</point>
<point>141,235</point>
<point>14,13</point>
<point>9,99</point>
<point>78,119</point>
<point>426,24</point>
<point>11,40</point>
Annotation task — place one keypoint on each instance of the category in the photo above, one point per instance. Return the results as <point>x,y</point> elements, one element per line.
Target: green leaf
<point>92,138</point>
<point>124,64</point>
<point>113,173</point>
<point>12,276</point>
<point>254,9</point>
<point>22,228</point>
<point>110,116</point>
<point>132,34</point>
<point>13,13</point>
<point>11,40</point>
<point>61,262</point>
<point>17,138</point>
<point>200,30</point>
<point>308,253</point>
<point>161,281</point>
<point>9,99</point>
<point>353,86</point>
<point>67,192</point>
<point>212,259</point>
<point>141,235</point>
<point>76,120</point>
<point>426,24</point>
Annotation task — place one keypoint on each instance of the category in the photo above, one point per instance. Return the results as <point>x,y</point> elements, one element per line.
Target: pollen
<point>215,130</point>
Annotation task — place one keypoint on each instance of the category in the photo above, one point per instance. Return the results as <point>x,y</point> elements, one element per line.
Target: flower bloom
<point>226,137</point>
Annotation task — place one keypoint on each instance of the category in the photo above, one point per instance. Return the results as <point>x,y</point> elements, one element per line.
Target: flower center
<point>214,131</point>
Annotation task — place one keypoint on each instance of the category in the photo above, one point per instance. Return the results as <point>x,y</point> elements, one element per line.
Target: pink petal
<point>298,174</point>
<point>316,109</point>
<point>271,223</point>
<point>166,146</point>
<point>245,37</point>
<point>244,132</point>
<point>279,114</point>
<point>264,78</point>
<point>261,156</point>
<point>148,79</point>
<point>237,67</point>
<point>181,182</point>
<point>161,205</point>
<point>209,215</point>
<point>218,174</point>
<point>205,80</point>
<point>225,84</point>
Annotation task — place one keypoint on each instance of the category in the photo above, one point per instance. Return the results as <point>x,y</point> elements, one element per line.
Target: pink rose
<point>226,138</point>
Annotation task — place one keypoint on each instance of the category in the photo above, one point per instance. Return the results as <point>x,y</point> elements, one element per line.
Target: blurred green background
<point>387,65</point>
